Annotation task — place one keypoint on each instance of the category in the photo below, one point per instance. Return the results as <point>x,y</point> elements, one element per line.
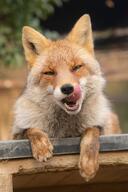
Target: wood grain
<point>6,183</point>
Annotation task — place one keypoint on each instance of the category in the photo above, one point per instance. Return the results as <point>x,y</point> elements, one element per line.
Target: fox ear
<point>81,33</point>
<point>34,43</point>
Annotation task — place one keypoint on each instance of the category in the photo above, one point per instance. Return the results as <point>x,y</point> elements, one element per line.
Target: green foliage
<point>14,14</point>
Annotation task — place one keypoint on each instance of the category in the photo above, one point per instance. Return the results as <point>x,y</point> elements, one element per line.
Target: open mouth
<point>70,105</point>
<point>71,102</point>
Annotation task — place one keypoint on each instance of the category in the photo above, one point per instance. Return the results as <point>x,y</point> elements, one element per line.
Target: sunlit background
<point>55,18</point>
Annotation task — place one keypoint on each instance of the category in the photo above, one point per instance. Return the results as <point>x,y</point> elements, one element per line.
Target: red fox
<point>64,95</point>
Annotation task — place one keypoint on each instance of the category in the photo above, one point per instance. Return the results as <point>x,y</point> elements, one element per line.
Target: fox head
<point>65,70</point>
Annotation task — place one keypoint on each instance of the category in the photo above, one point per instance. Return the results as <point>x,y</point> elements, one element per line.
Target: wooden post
<point>6,184</point>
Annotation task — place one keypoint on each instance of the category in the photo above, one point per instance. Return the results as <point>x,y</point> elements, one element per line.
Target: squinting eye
<point>77,67</point>
<point>50,73</point>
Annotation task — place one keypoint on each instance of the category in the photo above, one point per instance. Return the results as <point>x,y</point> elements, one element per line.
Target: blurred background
<point>55,18</point>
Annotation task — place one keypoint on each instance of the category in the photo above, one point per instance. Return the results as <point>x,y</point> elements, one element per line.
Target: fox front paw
<point>42,148</point>
<point>88,166</point>
<point>89,153</point>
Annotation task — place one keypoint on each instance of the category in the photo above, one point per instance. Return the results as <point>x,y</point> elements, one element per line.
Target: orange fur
<point>39,41</point>
<point>89,153</point>
<point>62,65</point>
<point>115,128</point>
<point>81,35</point>
<point>60,58</point>
<point>41,146</point>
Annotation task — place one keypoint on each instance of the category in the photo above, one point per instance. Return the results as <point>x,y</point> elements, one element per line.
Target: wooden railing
<point>15,149</point>
<point>19,171</point>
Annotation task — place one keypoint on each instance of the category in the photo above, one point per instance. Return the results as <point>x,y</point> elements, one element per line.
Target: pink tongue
<point>75,95</point>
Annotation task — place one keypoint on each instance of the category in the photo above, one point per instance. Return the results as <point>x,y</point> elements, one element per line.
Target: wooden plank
<point>60,163</point>
<point>22,149</point>
<point>63,170</point>
<point>6,183</point>
<point>106,174</point>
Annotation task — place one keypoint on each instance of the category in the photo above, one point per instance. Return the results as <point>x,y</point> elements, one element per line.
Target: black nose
<point>67,89</point>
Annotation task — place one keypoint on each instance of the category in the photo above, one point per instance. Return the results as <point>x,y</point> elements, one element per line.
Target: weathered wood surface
<point>61,163</point>
<point>63,170</point>
<point>6,183</point>
<point>15,149</point>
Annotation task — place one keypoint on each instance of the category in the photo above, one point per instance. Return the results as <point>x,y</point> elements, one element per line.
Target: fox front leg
<point>89,153</point>
<point>42,148</point>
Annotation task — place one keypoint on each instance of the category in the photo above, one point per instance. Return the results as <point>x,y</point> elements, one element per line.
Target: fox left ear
<point>81,33</point>
<point>34,44</point>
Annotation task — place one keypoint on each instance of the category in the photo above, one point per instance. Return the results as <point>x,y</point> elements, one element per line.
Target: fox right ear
<point>81,33</point>
<point>34,43</point>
